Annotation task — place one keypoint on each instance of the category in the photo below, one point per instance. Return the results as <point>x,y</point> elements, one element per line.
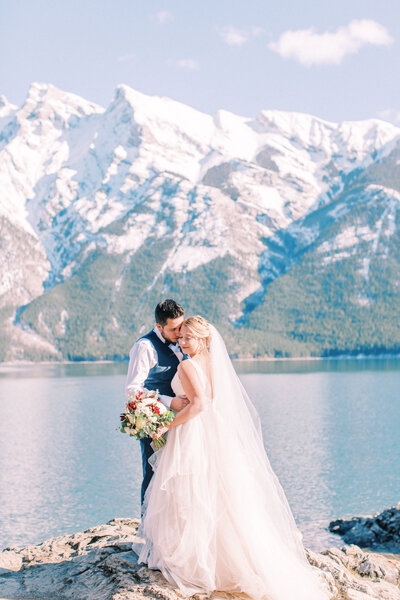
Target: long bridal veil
<point>254,497</point>
<point>215,516</point>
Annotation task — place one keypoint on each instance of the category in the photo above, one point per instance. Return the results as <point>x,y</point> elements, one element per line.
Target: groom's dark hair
<point>168,309</point>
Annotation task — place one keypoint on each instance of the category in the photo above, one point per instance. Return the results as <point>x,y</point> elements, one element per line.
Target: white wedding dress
<point>215,516</point>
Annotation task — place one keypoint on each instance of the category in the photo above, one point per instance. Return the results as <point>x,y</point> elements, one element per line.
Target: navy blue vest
<point>160,376</point>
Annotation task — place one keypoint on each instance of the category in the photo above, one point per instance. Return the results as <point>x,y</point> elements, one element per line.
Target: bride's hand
<point>179,402</point>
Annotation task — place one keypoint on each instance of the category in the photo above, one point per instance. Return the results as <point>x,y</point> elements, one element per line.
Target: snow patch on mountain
<point>348,238</point>
<point>375,236</point>
<point>27,338</point>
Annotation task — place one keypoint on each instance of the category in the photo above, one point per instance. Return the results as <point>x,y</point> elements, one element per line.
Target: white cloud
<point>232,36</point>
<point>237,37</point>
<point>188,63</point>
<point>310,48</point>
<point>163,16</point>
<point>126,58</point>
<point>390,114</point>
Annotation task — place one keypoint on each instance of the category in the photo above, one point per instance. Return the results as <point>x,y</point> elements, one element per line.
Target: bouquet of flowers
<point>145,415</point>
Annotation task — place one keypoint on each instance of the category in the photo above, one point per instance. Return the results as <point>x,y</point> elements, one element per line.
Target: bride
<point>215,515</point>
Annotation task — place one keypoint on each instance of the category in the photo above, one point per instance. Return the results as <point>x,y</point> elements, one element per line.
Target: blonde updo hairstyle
<point>200,329</point>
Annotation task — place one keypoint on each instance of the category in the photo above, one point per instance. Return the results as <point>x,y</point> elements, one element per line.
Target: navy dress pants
<point>147,451</point>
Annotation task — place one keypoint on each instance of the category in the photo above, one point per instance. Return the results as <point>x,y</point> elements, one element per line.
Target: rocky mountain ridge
<point>104,211</point>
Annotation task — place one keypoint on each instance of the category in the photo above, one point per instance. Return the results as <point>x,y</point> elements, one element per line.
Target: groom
<point>153,361</point>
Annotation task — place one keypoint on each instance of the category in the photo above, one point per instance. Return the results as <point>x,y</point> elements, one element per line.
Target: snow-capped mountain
<point>103,211</point>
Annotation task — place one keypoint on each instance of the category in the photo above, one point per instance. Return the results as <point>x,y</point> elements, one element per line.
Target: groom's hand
<point>179,402</point>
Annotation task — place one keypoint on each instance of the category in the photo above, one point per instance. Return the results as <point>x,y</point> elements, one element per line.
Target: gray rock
<point>98,564</point>
<point>376,532</point>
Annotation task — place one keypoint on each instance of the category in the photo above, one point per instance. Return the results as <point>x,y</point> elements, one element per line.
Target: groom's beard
<point>167,340</point>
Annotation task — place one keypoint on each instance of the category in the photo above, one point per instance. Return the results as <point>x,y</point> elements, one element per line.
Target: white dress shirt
<point>143,357</point>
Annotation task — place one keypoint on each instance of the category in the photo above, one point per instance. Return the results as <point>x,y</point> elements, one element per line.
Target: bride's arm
<point>193,390</point>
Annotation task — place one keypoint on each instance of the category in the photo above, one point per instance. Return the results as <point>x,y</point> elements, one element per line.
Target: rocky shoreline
<point>98,564</point>
<point>379,532</point>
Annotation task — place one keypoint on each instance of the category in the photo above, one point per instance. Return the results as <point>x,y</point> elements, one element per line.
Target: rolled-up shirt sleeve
<point>142,358</point>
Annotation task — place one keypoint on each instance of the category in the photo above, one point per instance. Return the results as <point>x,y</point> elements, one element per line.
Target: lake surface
<point>331,431</point>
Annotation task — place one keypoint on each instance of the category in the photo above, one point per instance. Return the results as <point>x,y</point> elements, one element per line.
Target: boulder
<point>377,532</point>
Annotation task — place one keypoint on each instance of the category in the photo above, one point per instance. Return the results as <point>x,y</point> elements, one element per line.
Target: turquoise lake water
<point>331,431</point>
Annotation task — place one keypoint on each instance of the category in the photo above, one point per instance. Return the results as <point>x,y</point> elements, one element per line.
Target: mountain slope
<point>282,229</point>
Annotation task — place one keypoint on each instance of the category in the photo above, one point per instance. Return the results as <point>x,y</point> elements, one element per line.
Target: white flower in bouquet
<point>148,401</point>
<point>140,423</point>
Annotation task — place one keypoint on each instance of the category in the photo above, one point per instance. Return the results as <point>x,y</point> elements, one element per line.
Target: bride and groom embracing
<point>214,515</point>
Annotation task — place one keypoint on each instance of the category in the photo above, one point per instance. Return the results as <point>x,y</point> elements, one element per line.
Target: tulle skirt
<point>209,521</point>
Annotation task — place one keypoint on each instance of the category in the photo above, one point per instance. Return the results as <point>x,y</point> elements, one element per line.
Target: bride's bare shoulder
<point>186,366</point>
<point>192,368</point>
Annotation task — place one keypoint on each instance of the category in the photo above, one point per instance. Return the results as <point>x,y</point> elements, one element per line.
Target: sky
<point>337,60</point>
